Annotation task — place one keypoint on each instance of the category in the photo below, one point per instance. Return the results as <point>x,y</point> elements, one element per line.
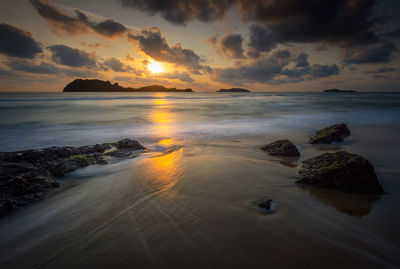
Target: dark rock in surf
<point>28,176</point>
<point>340,171</point>
<point>281,148</point>
<point>129,144</point>
<point>23,183</point>
<point>334,133</point>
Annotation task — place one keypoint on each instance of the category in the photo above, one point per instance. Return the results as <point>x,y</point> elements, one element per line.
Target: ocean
<point>192,199</point>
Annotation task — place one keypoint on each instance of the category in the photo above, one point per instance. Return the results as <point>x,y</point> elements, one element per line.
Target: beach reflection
<point>356,205</point>
<point>162,118</point>
<point>164,167</point>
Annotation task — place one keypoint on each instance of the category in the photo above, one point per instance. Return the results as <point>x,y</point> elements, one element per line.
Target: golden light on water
<point>155,67</point>
<point>164,169</point>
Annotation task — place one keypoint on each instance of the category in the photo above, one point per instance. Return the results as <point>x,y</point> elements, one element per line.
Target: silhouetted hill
<point>233,90</point>
<point>337,90</point>
<point>95,85</point>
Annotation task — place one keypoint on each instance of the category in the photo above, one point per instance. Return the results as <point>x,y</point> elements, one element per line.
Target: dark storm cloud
<point>313,71</point>
<point>107,27</point>
<point>349,24</point>
<point>116,65</point>
<point>261,40</point>
<point>63,22</point>
<point>231,46</point>
<point>334,21</point>
<point>182,76</point>
<point>32,67</point>
<point>263,70</point>
<point>394,34</point>
<point>17,42</point>
<point>65,55</point>
<point>43,68</point>
<point>5,72</point>
<point>302,60</point>
<point>381,52</point>
<point>181,12</point>
<point>343,22</point>
<point>156,46</point>
<point>283,54</point>
<point>273,69</point>
<point>320,71</point>
<point>381,70</point>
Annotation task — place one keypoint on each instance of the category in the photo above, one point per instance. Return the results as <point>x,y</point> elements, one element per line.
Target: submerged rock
<point>29,175</point>
<point>341,171</point>
<point>23,183</point>
<point>266,205</point>
<point>281,148</point>
<point>334,133</point>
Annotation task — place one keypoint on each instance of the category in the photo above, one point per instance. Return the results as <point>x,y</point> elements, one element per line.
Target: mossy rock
<point>333,133</point>
<point>341,171</point>
<point>86,157</point>
<point>281,148</point>
<point>23,183</point>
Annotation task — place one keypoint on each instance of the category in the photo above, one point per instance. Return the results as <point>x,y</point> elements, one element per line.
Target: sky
<point>260,45</point>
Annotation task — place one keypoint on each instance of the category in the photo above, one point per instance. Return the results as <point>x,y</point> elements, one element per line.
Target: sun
<point>155,67</point>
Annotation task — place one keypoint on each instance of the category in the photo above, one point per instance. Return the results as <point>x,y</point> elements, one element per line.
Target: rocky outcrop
<point>281,148</point>
<point>23,183</point>
<point>334,133</point>
<point>29,175</point>
<point>341,171</point>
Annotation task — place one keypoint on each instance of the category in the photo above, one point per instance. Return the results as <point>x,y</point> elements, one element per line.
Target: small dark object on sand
<point>266,205</point>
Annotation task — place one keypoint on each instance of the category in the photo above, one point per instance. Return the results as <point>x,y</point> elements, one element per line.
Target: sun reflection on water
<point>165,168</point>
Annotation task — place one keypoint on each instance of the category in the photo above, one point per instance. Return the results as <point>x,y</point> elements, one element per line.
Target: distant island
<point>337,90</point>
<point>233,90</point>
<point>95,85</point>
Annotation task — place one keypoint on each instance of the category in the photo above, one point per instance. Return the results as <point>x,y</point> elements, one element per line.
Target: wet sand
<point>194,205</point>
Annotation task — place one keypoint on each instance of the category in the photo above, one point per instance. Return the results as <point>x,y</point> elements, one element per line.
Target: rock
<point>334,133</point>
<point>29,175</point>
<point>129,144</point>
<point>266,205</point>
<point>62,167</point>
<point>62,160</point>
<point>341,171</point>
<point>23,183</point>
<point>281,148</point>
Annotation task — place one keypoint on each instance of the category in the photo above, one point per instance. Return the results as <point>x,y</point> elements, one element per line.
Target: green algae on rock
<point>30,175</point>
<point>333,133</point>
<point>341,171</point>
<point>281,148</point>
